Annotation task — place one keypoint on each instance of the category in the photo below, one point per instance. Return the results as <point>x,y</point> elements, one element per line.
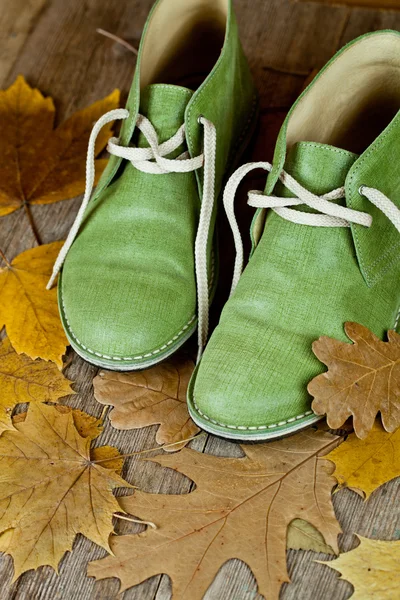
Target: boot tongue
<point>317,167</point>
<point>164,106</point>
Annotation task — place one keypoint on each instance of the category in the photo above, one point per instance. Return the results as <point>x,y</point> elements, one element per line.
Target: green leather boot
<point>327,252</point>
<point>141,249</point>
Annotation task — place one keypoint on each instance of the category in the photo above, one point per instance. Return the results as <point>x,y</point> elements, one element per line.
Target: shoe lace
<point>153,160</point>
<point>329,214</point>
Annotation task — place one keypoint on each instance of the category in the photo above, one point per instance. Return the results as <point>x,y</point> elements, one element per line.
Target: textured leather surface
<point>378,248</point>
<point>128,282</point>
<point>301,282</point>
<point>127,290</point>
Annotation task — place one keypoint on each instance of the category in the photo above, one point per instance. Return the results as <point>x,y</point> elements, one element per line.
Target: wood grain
<point>17,20</point>
<point>377,4</point>
<point>58,50</point>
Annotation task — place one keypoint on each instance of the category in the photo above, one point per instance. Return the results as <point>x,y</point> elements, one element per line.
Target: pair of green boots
<point>140,263</point>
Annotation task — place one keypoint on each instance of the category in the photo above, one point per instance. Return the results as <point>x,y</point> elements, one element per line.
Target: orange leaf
<point>39,164</point>
<point>362,379</point>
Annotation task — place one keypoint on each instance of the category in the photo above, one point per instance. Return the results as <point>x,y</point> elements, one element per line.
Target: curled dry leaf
<point>52,488</point>
<point>241,508</point>
<point>366,464</point>
<point>25,380</point>
<point>373,568</point>
<point>153,396</point>
<point>362,379</point>
<point>39,164</point>
<point>27,309</point>
<point>301,535</point>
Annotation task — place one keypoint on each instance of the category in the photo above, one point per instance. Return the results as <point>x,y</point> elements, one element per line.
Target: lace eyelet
<point>360,190</point>
<point>199,118</point>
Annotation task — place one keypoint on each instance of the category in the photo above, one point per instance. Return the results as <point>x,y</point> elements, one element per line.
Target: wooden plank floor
<point>55,45</point>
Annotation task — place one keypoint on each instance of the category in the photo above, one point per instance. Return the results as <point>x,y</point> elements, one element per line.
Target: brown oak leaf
<point>153,396</point>
<point>40,164</point>
<point>29,311</point>
<point>52,486</point>
<point>241,508</point>
<point>25,380</point>
<point>362,379</point>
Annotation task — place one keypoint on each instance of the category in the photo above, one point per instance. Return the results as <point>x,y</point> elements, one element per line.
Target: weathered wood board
<point>55,45</point>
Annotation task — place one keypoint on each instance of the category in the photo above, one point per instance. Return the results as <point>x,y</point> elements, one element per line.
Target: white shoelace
<point>330,213</point>
<point>143,160</point>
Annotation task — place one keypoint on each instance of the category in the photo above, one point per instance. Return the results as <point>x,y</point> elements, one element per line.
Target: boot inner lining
<point>353,101</point>
<point>183,42</point>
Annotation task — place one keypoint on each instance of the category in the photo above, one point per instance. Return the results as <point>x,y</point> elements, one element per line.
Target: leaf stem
<point>32,223</point>
<point>3,256</point>
<point>104,413</point>
<point>118,40</point>
<point>151,449</point>
<point>132,520</point>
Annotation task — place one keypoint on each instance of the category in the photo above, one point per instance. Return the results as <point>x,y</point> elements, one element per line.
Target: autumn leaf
<point>86,425</point>
<point>373,568</point>
<point>40,164</point>
<point>362,379</point>
<point>153,396</point>
<point>52,488</point>
<point>366,464</point>
<point>91,427</point>
<point>301,535</point>
<point>241,508</point>
<point>29,311</point>
<point>25,380</point>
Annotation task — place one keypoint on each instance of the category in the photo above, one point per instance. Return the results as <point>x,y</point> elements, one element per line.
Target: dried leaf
<point>301,535</point>
<point>373,568</point>
<point>86,425</point>
<point>241,508</point>
<point>115,461</point>
<point>25,380</point>
<point>27,309</point>
<point>366,464</point>
<point>362,379</point>
<point>39,164</point>
<point>51,488</point>
<point>153,396</point>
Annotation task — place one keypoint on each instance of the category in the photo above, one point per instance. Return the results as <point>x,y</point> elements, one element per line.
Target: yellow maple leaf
<point>39,164</point>
<point>86,425</point>
<point>366,464</point>
<point>25,380</point>
<point>373,568</point>
<point>29,311</point>
<point>53,487</point>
